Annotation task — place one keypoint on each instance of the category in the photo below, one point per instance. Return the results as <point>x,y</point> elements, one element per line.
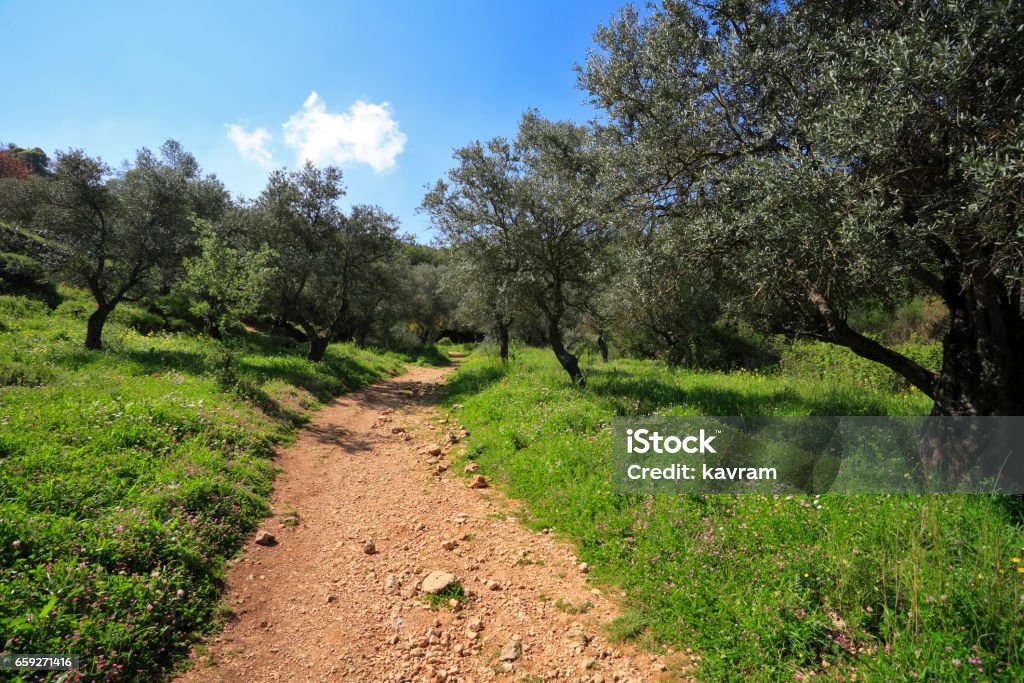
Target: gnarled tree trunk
<point>602,345</point>
<point>982,353</point>
<point>501,328</point>
<point>982,373</point>
<point>317,347</point>
<point>94,328</point>
<point>982,370</point>
<point>568,360</point>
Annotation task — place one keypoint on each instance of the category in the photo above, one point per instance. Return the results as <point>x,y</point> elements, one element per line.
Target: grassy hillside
<point>765,587</point>
<point>128,476</point>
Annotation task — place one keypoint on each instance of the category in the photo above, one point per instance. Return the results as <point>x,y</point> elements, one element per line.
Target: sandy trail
<point>317,607</point>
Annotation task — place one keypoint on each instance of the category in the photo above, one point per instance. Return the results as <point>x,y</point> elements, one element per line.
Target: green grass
<point>570,608</point>
<point>765,587</point>
<point>443,599</point>
<point>129,476</point>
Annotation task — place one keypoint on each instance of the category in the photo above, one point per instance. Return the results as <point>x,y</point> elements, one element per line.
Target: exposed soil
<point>317,606</point>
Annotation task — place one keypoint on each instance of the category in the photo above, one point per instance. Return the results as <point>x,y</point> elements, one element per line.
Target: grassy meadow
<point>128,476</point>
<point>766,588</point>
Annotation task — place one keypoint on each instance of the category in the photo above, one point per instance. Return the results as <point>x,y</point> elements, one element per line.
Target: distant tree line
<point>161,227</point>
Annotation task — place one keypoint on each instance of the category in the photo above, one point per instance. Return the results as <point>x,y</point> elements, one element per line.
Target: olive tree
<point>484,298</point>
<point>663,297</point>
<point>531,213</point>
<point>324,255</point>
<point>829,154</point>
<point>113,233</point>
<point>225,282</point>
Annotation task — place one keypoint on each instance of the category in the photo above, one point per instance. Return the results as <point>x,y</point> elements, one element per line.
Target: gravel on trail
<point>367,516</point>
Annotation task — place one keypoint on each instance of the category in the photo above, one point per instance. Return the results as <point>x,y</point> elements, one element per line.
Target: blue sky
<point>398,85</point>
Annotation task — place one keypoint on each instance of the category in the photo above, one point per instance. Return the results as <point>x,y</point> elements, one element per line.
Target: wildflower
<point>1015,560</point>
<point>1020,570</point>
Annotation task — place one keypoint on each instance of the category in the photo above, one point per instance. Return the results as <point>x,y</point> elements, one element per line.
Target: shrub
<point>139,319</point>
<point>15,374</point>
<point>14,307</point>
<point>23,275</point>
<point>79,308</point>
<point>722,348</point>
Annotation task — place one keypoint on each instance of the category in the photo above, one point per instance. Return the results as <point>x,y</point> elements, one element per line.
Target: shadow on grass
<point>1012,507</point>
<point>419,355</point>
<point>156,360</point>
<point>332,376</point>
<point>632,396</point>
<point>260,359</point>
<point>469,381</point>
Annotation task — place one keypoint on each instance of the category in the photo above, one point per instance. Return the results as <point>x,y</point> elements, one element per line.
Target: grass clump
<point>443,598</point>
<point>569,608</point>
<point>128,476</point>
<point>766,587</point>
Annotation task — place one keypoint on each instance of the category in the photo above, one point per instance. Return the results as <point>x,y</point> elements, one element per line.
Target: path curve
<point>318,607</point>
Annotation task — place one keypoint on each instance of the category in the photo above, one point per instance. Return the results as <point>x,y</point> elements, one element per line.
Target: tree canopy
<point>831,154</point>
<point>531,217</point>
<point>326,258</point>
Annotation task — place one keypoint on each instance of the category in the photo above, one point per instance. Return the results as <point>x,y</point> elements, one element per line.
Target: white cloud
<point>366,133</point>
<point>252,145</point>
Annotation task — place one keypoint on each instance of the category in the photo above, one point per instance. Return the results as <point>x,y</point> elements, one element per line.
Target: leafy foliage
<point>225,284</point>
<point>529,223</point>
<point>327,263</point>
<point>822,155</point>
<point>113,234</point>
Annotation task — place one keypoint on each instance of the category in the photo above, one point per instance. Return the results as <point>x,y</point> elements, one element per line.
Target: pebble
<point>512,651</point>
<point>438,581</point>
<point>264,537</point>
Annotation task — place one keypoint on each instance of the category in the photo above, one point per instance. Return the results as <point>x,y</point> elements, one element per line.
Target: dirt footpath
<point>363,513</point>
